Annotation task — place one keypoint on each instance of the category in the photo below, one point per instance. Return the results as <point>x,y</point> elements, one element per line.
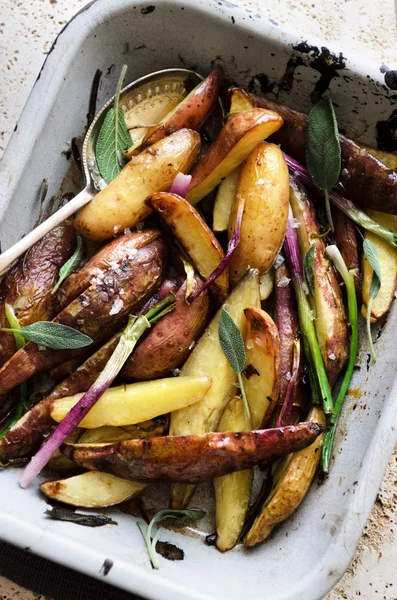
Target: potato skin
<point>170,341</point>
<point>264,185</point>
<point>133,280</point>
<point>194,110</point>
<point>27,286</point>
<point>366,180</point>
<point>194,458</point>
<point>122,203</point>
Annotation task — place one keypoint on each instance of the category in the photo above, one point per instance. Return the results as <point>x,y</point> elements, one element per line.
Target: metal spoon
<point>144,102</point>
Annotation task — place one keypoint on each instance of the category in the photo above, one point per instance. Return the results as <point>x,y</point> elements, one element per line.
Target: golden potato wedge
<point>224,200</point>
<point>59,462</point>
<point>195,237</point>
<point>330,321</point>
<point>291,482</point>
<point>264,185</point>
<point>233,491</point>
<point>208,359</point>
<point>137,402</point>
<point>262,374</point>
<point>239,101</point>
<point>387,255</point>
<point>266,284</point>
<point>234,143</point>
<point>108,433</point>
<point>92,490</point>
<point>122,203</point>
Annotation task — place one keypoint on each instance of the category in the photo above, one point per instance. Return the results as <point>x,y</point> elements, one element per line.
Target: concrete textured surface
<point>27,30</point>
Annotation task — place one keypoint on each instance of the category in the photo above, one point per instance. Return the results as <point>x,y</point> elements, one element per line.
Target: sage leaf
<point>53,335</point>
<point>323,156</point>
<point>308,269</point>
<point>113,138</point>
<point>231,341</point>
<point>372,257</point>
<point>70,265</point>
<point>61,513</point>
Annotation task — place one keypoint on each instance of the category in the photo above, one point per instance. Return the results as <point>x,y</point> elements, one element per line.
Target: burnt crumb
<point>110,69</point>
<point>287,79</point>
<point>140,47</point>
<point>16,127</point>
<point>261,81</point>
<point>146,10</point>
<point>233,20</point>
<point>210,539</point>
<point>249,371</point>
<point>368,361</point>
<point>106,567</point>
<point>169,551</point>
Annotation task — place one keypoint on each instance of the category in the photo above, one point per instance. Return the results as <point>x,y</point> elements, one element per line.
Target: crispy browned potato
<point>288,328</point>
<point>112,254</point>
<point>101,309</point>
<point>232,491</point>
<point>27,286</point>
<point>387,255</point>
<point>262,374</point>
<point>193,110</point>
<point>264,186</point>
<point>92,490</point>
<point>366,180</point>
<point>330,321</point>
<point>171,340</point>
<point>195,237</point>
<point>291,482</point>
<point>122,203</point>
<point>193,458</point>
<point>345,238</point>
<point>234,143</point>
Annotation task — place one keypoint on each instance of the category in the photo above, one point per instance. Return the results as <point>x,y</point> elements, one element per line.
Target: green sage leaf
<point>62,513</point>
<point>53,335</point>
<point>231,341</point>
<point>308,269</point>
<point>372,256</point>
<point>70,265</point>
<point>323,155</point>
<point>193,514</point>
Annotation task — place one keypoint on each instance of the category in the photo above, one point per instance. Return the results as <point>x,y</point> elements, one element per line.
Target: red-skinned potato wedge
<point>171,340</point>
<point>291,482</point>
<point>262,373</point>
<point>195,237</point>
<point>264,186</point>
<point>345,238</point>
<point>121,204</point>
<point>366,180</point>
<point>92,314</point>
<point>330,322</point>
<point>193,111</point>
<point>234,143</point>
<point>194,458</point>
<point>27,286</point>
<point>92,490</point>
<point>288,328</point>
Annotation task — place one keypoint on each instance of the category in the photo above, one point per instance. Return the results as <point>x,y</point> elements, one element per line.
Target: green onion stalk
<point>348,278</point>
<point>305,315</point>
<point>134,330</point>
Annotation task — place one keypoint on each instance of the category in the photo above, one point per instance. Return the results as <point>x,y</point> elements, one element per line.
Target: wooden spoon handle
<point>8,257</point>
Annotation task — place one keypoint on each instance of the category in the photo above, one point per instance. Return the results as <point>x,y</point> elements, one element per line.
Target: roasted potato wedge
<point>59,462</point>
<point>93,312</point>
<point>122,203</point>
<point>194,235</point>
<point>262,374</point>
<point>136,402</point>
<point>366,180</point>
<point>291,482</point>
<point>224,200</point>
<point>171,340</point>
<point>388,264</point>
<point>27,286</point>
<point>240,100</point>
<point>108,433</point>
<point>234,143</point>
<point>192,458</point>
<point>92,490</point>
<point>266,284</point>
<point>208,358</point>
<point>193,110</point>
<point>233,491</point>
<point>330,322</point>
<point>264,186</point>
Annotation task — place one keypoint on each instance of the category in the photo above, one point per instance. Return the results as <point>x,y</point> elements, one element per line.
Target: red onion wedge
<point>180,185</point>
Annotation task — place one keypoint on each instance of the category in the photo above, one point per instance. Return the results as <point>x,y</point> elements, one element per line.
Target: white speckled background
<point>27,30</point>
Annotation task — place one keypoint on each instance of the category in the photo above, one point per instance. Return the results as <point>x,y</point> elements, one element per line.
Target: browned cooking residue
<point>355,392</point>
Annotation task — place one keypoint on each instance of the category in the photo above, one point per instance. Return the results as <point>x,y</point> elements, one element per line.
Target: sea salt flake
<point>127,230</point>
<point>284,281</point>
<point>116,306</point>
<point>288,376</point>
<point>332,356</point>
<point>175,372</point>
<point>260,181</point>
<point>295,223</point>
<point>279,261</point>
<point>305,288</point>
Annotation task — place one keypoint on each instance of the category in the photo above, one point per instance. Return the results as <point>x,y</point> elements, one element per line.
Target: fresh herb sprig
<point>70,265</point>
<point>348,278</point>
<point>113,138</point>
<point>232,344</point>
<point>308,269</point>
<point>192,514</point>
<point>373,259</point>
<point>51,335</point>
<point>323,154</point>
